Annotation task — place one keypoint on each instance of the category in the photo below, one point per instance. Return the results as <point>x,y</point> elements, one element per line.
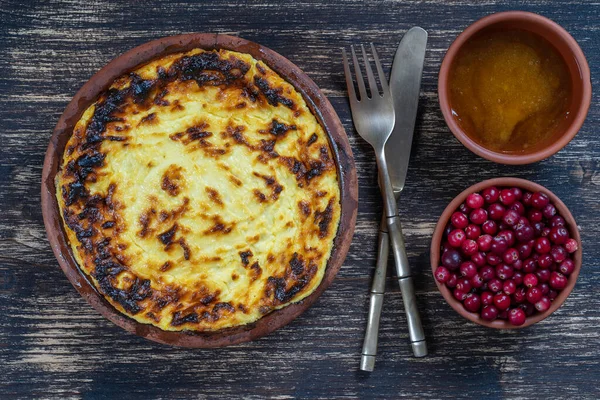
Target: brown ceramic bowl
<point>319,105</point>
<point>445,219</point>
<point>566,46</point>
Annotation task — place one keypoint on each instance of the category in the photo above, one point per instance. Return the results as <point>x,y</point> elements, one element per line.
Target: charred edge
<point>260,195</point>
<point>206,300</point>
<point>166,266</point>
<point>208,69</point>
<point>166,237</point>
<point>279,129</point>
<point>323,219</point>
<point>313,138</point>
<point>277,287</point>
<point>304,208</point>
<point>214,195</point>
<point>159,100</point>
<point>218,311</point>
<point>237,134</point>
<point>218,227</point>
<point>273,95</point>
<point>260,68</point>
<point>255,271</point>
<point>108,224</point>
<point>186,249</point>
<point>149,119</point>
<point>245,256</point>
<point>170,180</point>
<point>235,181</point>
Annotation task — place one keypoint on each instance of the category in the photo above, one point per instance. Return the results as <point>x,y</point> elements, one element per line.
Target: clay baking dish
<point>569,50</point>
<point>129,61</point>
<point>444,220</point>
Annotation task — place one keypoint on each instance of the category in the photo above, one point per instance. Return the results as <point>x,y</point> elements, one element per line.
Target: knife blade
<point>405,84</point>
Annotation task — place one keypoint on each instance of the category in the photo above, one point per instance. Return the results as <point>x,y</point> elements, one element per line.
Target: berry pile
<point>506,254</point>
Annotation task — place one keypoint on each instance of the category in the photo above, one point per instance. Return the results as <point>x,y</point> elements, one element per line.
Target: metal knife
<point>405,84</point>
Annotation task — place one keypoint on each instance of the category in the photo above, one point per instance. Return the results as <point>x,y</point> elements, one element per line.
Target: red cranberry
<point>542,304</point>
<point>545,232</point>
<point>507,197</point>
<point>452,281</point>
<point>516,316</point>
<point>539,200</point>
<point>524,233</point>
<point>567,267</point>
<point>493,259</point>
<point>558,234</point>
<point>487,273</point>
<point>545,288</point>
<point>518,278</point>
<point>489,227</point>
<point>463,208</point>
<point>557,220</point>
<point>484,242</point>
<point>489,313</point>
<point>451,259</point>
<point>469,247</point>
<point>464,285</point>
<point>510,217</point>
<point>508,235</point>
<point>501,301</point>
<point>571,245</point>
<point>449,228</point>
<point>479,259</point>
<point>518,193</point>
<point>499,245</point>
<point>552,294</point>
<point>477,281</point>
<point>558,281</point>
<point>474,200</point>
<point>491,194</point>
<point>478,216</point>
<point>456,237</point>
<point>442,274</point>
<point>459,294</point>
<point>549,211</point>
<point>504,271</point>
<point>459,220</point>
<point>559,254</point>
<point>527,198</point>
<point>528,308</point>
<point>520,295</point>
<point>510,256</point>
<point>542,245</point>
<point>468,269</point>
<point>538,227</point>
<point>496,211</point>
<point>472,302</point>
<point>487,298</point>
<point>524,250</point>
<point>495,285</point>
<point>545,261</point>
<point>518,265</point>
<point>535,216</point>
<point>509,287</point>
<point>518,207</point>
<point>543,275</point>
<point>529,265</point>
<point>503,314</point>
<point>530,280</point>
<point>472,231</point>
<point>534,294</point>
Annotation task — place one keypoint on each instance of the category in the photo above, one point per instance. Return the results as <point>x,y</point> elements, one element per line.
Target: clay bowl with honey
<point>439,238</point>
<point>129,61</point>
<point>494,107</point>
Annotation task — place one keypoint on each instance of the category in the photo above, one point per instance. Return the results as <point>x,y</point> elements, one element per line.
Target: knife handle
<point>415,328</point>
<point>369,350</point>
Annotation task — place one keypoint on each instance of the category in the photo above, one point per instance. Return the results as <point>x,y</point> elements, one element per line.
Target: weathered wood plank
<point>52,344</point>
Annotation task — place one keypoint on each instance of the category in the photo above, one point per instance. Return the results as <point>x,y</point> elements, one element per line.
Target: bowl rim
<point>506,158</point>
<point>436,240</point>
<point>130,60</point>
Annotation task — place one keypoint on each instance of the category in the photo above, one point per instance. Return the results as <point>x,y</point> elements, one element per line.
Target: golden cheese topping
<point>199,192</point>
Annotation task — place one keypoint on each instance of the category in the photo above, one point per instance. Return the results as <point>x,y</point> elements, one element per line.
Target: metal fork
<point>374,119</point>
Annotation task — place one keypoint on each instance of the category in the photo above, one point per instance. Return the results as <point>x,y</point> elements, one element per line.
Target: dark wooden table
<point>53,344</point>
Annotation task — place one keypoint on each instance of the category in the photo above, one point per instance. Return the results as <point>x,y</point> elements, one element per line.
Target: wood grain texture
<point>54,345</point>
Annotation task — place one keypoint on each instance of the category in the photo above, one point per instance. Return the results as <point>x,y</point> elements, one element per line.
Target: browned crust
<point>100,82</point>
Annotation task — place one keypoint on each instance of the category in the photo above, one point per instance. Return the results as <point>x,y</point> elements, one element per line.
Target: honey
<point>509,90</point>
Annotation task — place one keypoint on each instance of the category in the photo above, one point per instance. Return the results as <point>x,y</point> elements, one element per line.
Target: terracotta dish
<point>444,220</point>
<point>318,105</point>
<point>568,49</point>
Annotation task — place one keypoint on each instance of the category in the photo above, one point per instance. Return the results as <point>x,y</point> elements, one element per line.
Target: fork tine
<point>359,78</point>
<point>382,80</point>
<point>349,83</point>
<point>372,83</point>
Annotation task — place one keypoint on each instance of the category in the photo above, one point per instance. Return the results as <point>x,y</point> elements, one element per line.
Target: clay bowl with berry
<point>506,253</point>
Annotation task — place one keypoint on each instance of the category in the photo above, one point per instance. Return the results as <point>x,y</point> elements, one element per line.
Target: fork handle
<point>369,350</point>
<point>415,328</point>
